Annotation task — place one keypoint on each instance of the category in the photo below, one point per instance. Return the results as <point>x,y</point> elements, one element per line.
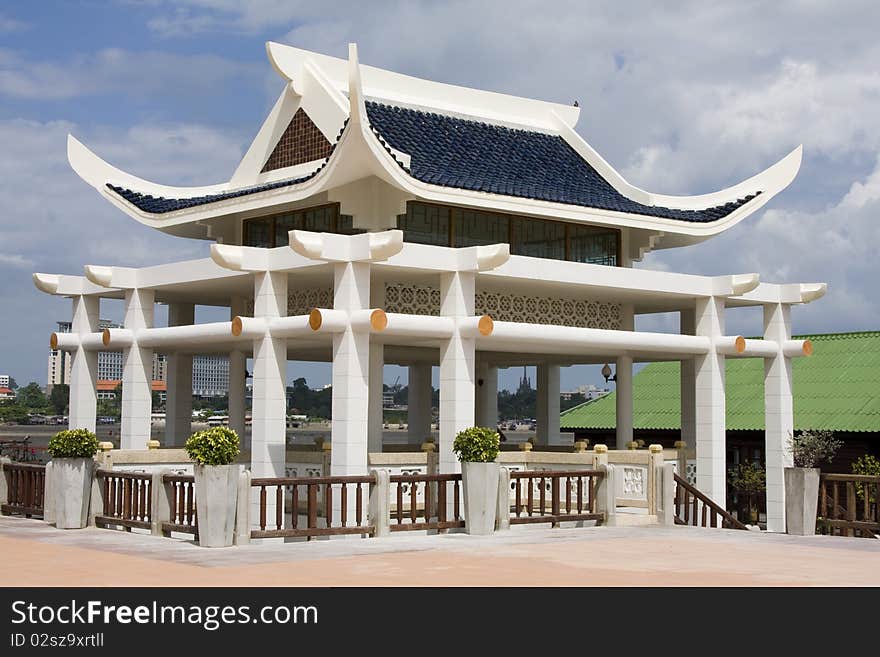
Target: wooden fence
<point>180,490</point>
<point>694,508</point>
<point>577,503</point>
<point>434,512</point>
<point>127,498</point>
<point>26,483</point>
<point>319,497</point>
<point>849,505</point>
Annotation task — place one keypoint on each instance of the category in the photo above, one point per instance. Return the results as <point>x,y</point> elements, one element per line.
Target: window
<point>425,224</point>
<point>480,228</point>
<point>270,232</point>
<point>537,238</point>
<point>591,244</point>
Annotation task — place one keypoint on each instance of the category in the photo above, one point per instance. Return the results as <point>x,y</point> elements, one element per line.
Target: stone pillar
<point>84,366</point>
<point>351,373</point>
<point>624,399</point>
<point>687,323</point>
<point>178,402</point>
<point>548,405</point>
<point>375,413</point>
<point>237,374</point>
<point>778,413</point>
<point>487,395</point>
<point>456,366</point>
<point>710,404</point>
<point>269,412</point>
<point>419,393</point>
<point>623,380</point>
<point>137,373</point>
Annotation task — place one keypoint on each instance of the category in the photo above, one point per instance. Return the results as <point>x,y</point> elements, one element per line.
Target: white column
<point>178,402</point>
<point>778,414</point>
<point>419,393</point>
<point>624,398</point>
<point>237,364</point>
<point>351,374</point>
<point>375,414</point>
<point>456,367</point>
<point>487,395</point>
<point>84,366</point>
<point>137,373</point>
<point>710,405</point>
<point>623,384</point>
<point>269,411</point>
<point>687,323</point>
<point>547,407</point>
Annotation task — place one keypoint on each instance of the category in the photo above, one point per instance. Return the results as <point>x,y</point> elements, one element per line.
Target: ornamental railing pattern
<point>507,307</point>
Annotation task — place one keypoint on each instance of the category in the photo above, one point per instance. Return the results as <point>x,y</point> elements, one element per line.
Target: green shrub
<point>747,478</point>
<point>477,445</point>
<point>866,465</point>
<point>214,446</point>
<point>73,443</point>
<point>810,447</point>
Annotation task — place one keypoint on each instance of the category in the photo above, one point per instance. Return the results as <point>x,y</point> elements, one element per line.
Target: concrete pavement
<point>37,554</point>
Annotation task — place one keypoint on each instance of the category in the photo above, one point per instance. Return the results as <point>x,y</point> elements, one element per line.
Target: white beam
<point>778,413</point>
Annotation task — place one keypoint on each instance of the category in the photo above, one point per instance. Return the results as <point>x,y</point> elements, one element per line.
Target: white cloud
<point>118,71</point>
<point>15,260</point>
<point>836,245</point>
<point>8,25</point>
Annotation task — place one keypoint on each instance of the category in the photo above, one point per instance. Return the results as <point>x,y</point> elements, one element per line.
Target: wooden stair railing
<point>694,508</point>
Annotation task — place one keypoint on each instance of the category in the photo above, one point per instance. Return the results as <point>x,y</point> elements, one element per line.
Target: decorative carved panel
<point>300,302</point>
<point>506,307</point>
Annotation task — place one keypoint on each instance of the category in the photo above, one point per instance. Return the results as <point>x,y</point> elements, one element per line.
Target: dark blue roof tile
<point>454,152</point>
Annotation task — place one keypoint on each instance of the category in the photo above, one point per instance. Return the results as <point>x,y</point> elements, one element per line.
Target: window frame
<point>274,218</point>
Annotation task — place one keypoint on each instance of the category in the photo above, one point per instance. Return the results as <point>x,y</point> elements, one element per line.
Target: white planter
<point>216,500</point>
<point>801,499</point>
<point>480,483</point>
<point>72,491</point>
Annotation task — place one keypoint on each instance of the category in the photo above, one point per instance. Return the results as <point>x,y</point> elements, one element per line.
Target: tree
<point>12,384</point>
<point>32,397</point>
<point>60,398</point>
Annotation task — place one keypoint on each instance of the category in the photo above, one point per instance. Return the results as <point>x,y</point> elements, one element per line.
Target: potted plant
<point>748,479</point>
<point>802,481</point>
<point>477,448</point>
<point>73,465</point>
<point>216,483</point>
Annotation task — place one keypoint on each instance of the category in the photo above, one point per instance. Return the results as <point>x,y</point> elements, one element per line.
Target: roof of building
<point>837,388</point>
<point>6,391</point>
<point>451,151</point>
<point>455,152</point>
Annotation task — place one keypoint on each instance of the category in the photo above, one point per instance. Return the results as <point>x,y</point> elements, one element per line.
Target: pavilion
<point>380,218</point>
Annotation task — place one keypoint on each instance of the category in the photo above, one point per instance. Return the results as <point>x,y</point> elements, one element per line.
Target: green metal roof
<point>837,388</point>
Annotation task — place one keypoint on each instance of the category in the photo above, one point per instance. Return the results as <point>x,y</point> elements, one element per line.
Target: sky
<point>682,98</point>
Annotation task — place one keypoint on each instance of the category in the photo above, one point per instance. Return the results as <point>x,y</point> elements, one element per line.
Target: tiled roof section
<point>837,388</point>
<point>301,142</point>
<point>161,204</point>
<point>467,154</point>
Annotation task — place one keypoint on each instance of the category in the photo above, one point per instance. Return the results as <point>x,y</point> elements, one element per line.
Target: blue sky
<point>685,97</point>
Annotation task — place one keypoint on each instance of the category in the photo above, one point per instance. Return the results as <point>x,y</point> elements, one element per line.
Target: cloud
<point>9,25</point>
<point>54,222</point>
<point>15,260</point>
<point>836,245</point>
<point>117,71</point>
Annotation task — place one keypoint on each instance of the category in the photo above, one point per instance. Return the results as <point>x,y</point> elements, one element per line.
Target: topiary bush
<point>214,446</point>
<point>73,443</point>
<point>866,465</point>
<point>477,445</point>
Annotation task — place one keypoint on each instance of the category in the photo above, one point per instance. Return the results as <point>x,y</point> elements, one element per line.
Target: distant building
<point>4,380</point>
<point>210,373</point>
<point>6,393</point>
<point>106,388</point>
<point>588,391</point>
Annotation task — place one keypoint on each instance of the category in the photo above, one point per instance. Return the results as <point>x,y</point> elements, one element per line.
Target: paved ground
<point>36,554</point>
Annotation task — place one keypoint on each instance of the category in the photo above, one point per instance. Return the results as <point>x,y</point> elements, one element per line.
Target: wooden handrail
<point>715,511</point>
